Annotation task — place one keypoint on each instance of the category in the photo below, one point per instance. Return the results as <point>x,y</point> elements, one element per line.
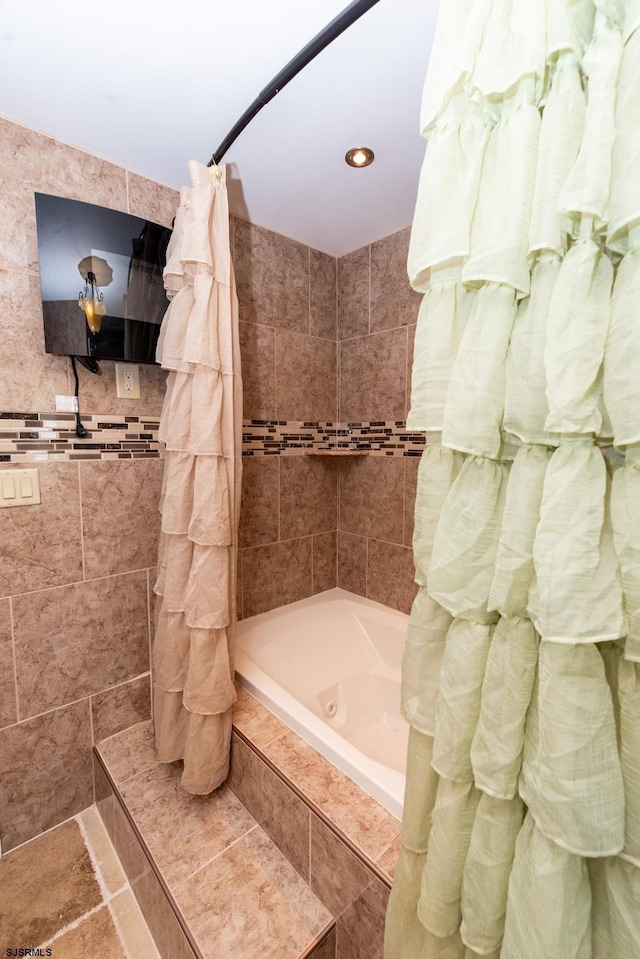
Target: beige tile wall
<point>289,513</point>
<point>293,505</point>
<point>377,312</point>
<point>75,571</point>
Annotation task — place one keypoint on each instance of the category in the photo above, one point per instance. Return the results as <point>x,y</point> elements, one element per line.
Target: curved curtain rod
<point>337,26</point>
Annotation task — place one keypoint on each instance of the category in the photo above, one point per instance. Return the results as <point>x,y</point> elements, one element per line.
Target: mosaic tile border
<point>51,437</point>
<point>377,437</point>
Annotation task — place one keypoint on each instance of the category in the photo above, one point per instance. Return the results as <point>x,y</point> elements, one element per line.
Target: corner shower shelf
<point>337,452</point>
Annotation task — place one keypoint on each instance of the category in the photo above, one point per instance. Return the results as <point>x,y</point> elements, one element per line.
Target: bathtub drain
<point>331,709</point>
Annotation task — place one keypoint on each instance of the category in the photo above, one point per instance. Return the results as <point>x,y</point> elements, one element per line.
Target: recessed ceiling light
<point>359,157</point>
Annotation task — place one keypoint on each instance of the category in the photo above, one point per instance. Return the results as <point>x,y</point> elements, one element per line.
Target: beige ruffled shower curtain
<point>201,425</point>
<point>521,676</point>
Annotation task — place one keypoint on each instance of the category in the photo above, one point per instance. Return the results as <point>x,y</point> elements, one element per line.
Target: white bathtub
<point>329,667</point>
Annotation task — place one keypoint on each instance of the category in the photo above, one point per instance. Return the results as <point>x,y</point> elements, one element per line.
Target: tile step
<point>209,880</point>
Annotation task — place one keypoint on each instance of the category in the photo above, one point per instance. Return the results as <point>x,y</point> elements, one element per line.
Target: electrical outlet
<point>128,381</point>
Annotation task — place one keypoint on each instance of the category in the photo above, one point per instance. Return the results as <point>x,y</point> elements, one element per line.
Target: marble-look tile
<point>325,550</point>
<point>131,854</point>
<point>359,817</point>
<point>120,518</point>
<point>272,278</point>
<point>338,876</point>
<point>8,705</point>
<point>154,905</point>
<point>323,294</point>
<point>94,936</point>
<point>259,509</point>
<point>160,918</point>
<point>151,200</point>
<point>371,497</point>
<point>18,244</point>
<point>326,948</point>
<point>45,772</point>
<point>308,495</point>
<point>389,858</point>
<point>104,798</point>
<point>373,377</point>
<point>46,884</point>
<point>258,358</point>
<point>41,544</point>
<point>360,929</point>
<point>239,589</point>
<point>275,575</point>
<point>133,929</point>
<point>98,393</point>
<point>254,720</point>
<point>29,377</point>
<point>129,752</point>
<point>274,913</point>
<point>393,302</point>
<point>352,563</point>
<point>34,161</point>
<point>183,832</point>
<point>73,641</point>
<point>411,337</point>
<point>306,377</point>
<point>353,293</point>
<point>411,464</point>
<point>120,707</point>
<point>282,815</point>
<point>103,854</point>
<point>390,575</point>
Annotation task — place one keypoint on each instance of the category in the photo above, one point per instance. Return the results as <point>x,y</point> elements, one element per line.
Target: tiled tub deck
<point>289,859</point>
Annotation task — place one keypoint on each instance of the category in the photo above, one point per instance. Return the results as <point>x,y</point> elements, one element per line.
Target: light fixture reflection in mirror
<point>95,272</point>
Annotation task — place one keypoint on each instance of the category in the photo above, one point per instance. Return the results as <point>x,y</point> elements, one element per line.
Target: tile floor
<point>66,894</point>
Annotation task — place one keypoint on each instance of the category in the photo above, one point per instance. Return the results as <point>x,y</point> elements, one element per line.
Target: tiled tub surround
<point>292,506</point>
<point>290,849</point>
<point>323,342</point>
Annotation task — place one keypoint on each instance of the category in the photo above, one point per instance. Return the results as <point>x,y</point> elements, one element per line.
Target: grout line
<point>84,568</point>
<point>71,926</point>
<point>15,660</point>
<point>404,498</point>
<point>275,373</point>
<point>309,287</point>
<point>93,737</point>
<point>149,594</point>
<point>222,851</point>
<point>126,182</point>
<point>106,895</point>
<point>44,832</point>
<point>121,937</point>
<point>279,510</point>
<point>82,699</point>
<point>407,378</point>
<point>366,567</point>
<point>311,538</point>
<point>78,582</point>
<point>369,288</point>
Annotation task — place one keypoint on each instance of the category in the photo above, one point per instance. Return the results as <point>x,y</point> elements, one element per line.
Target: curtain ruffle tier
<point>521,674</point>
<point>201,427</point>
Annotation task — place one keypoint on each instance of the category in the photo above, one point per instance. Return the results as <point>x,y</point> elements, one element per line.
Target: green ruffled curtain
<point>521,674</point>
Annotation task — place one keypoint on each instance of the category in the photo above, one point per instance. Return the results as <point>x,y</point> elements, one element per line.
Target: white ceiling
<point>151,84</point>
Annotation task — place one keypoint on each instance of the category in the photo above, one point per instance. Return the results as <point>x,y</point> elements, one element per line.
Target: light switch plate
<point>128,381</point>
<point>19,488</point>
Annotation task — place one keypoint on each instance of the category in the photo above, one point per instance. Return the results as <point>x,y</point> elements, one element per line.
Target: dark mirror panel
<point>101,280</point>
